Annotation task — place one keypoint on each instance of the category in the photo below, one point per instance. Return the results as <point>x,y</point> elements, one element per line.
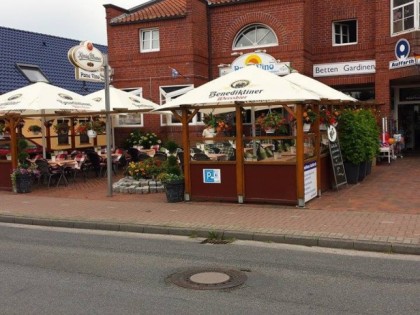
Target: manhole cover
<point>208,278</point>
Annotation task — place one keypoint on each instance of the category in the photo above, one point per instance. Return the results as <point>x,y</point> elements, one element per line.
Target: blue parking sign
<point>211,176</point>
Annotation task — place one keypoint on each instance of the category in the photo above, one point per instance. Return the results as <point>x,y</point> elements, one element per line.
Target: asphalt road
<point>68,271</point>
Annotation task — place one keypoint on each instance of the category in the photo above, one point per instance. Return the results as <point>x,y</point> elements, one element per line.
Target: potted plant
<point>171,146</point>
<point>370,133</point>
<point>172,179</point>
<point>272,122</point>
<point>210,121</point>
<point>2,129</point>
<point>23,176</point>
<point>352,143</point>
<point>99,126</point>
<point>82,128</point>
<point>309,117</point>
<point>61,128</point>
<point>35,129</point>
<point>327,118</point>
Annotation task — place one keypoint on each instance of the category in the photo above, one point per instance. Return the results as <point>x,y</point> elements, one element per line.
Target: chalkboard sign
<point>337,163</point>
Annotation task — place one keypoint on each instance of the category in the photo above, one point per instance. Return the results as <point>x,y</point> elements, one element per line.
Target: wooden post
<point>13,121</point>
<point>240,191</point>
<point>72,134</point>
<point>300,189</point>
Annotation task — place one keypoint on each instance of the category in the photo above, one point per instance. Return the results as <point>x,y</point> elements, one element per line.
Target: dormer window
<point>32,73</point>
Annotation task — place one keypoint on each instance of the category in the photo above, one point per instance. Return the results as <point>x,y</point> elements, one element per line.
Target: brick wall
<point>303,28</point>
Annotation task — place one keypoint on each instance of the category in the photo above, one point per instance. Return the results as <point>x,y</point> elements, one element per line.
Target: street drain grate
<point>208,278</point>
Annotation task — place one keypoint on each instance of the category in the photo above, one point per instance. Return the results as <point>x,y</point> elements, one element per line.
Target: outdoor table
<point>149,152</point>
<point>217,156</point>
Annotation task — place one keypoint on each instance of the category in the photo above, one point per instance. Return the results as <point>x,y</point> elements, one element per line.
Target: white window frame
<point>416,17</point>
<point>151,40</point>
<point>166,120</point>
<point>119,118</point>
<point>343,32</point>
<point>254,45</point>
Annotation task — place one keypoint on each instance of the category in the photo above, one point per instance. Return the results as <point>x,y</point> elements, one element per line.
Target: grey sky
<point>74,19</point>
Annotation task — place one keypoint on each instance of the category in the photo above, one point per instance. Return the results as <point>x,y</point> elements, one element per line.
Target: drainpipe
<point>210,47</point>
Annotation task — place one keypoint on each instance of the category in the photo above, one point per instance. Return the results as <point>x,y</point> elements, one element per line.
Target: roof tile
<point>153,10</point>
<point>47,52</point>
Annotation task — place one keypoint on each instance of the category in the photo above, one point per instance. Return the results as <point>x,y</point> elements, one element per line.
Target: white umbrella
<point>250,85</point>
<point>120,100</point>
<point>322,90</point>
<point>42,98</point>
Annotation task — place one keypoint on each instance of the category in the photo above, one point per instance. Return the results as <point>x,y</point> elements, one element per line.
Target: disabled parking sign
<point>212,176</point>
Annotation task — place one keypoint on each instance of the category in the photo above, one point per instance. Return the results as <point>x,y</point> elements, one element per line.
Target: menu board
<point>337,163</point>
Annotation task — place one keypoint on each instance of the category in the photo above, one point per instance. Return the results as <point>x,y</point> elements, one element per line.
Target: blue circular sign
<point>402,49</point>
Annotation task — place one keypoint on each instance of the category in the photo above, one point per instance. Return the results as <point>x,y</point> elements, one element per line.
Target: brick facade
<point>196,40</point>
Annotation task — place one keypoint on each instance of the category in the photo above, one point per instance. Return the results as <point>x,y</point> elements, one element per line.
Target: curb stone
<point>374,246</point>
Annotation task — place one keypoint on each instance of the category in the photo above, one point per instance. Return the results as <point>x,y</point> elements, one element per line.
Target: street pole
<point>108,127</point>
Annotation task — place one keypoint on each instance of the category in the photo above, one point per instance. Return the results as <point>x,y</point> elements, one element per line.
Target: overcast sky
<point>73,19</point>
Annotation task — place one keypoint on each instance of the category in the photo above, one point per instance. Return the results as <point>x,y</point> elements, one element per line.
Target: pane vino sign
<point>336,158</point>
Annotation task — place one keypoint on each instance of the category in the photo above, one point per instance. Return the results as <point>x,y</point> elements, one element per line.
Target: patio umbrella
<point>120,100</point>
<point>322,90</point>
<point>41,98</point>
<point>249,85</point>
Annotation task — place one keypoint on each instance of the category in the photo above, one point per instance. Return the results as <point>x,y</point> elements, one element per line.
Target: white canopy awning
<point>250,86</point>
<point>120,100</point>
<point>322,90</point>
<point>42,98</point>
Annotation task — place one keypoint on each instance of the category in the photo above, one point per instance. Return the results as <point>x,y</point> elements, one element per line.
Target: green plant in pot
<point>35,129</point>
<point>171,146</point>
<point>352,143</point>
<point>370,134</point>
<point>172,179</point>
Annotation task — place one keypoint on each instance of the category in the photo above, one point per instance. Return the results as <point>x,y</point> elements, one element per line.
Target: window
<point>131,119</point>
<point>345,32</point>
<point>83,137</point>
<point>255,36</point>
<point>149,40</point>
<point>32,73</point>
<point>170,92</point>
<point>63,132</point>
<point>403,15</point>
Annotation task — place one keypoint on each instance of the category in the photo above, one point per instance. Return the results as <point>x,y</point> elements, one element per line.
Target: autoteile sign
<point>402,51</point>
<point>88,61</point>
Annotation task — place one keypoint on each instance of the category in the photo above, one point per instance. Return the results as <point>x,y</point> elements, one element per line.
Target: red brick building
<point>365,48</point>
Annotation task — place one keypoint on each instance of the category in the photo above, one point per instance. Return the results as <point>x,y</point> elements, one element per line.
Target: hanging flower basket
<point>306,127</point>
<point>35,129</point>
<point>91,133</point>
<point>271,122</point>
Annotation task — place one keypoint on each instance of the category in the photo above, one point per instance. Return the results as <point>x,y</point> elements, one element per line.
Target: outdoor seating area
<point>62,168</point>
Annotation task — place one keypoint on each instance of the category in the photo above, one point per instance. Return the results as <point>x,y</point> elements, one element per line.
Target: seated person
<point>209,132</point>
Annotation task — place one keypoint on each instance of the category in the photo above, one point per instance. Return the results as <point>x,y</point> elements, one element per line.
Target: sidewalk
<point>382,213</point>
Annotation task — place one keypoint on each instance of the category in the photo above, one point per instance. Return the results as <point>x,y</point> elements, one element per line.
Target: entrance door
<point>409,125</point>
